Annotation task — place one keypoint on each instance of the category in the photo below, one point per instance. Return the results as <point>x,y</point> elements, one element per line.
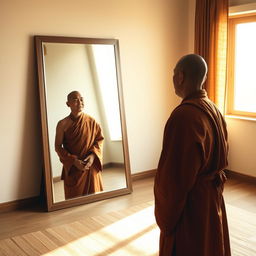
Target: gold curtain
<point>211,21</point>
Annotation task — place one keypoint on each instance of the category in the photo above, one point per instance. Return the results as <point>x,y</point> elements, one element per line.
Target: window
<point>241,66</point>
<point>104,58</point>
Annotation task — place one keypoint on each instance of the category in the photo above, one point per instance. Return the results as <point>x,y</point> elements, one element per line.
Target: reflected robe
<point>189,206</point>
<point>82,138</point>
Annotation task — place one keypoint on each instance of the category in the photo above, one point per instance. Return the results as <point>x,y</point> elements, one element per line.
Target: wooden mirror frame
<point>51,205</point>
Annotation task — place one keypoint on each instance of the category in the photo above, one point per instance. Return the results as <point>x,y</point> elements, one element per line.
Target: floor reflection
<point>113,178</point>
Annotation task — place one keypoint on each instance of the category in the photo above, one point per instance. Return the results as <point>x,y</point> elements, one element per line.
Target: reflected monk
<point>78,143</point>
<point>189,206</point>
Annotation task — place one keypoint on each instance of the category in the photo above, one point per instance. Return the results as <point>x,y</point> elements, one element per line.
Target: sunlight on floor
<point>136,234</point>
<point>127,232</point>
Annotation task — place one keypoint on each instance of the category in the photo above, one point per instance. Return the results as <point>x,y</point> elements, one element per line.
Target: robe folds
<point>82,138</point>
<point>189,206</point>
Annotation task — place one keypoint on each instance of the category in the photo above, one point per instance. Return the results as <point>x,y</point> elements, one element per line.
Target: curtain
<point>211,25</point>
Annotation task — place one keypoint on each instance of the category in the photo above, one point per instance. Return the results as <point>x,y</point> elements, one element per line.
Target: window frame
<point>233,21</point>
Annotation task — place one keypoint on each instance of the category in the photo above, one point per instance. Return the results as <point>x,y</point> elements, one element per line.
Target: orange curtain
<point>211,21</point>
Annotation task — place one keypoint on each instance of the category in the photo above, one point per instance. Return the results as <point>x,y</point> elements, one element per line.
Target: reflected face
<point>76,102</point>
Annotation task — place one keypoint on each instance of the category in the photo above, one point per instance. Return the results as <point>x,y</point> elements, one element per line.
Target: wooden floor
<point>100,225</point>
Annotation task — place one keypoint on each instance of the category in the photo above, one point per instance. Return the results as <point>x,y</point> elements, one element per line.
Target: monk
<point>78,143</point>
<point>189,206</point>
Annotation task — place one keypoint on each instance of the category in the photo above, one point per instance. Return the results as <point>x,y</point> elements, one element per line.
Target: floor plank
<point>107,227</point>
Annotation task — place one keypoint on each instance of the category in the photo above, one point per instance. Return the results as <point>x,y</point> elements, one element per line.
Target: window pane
<point>245,68</point>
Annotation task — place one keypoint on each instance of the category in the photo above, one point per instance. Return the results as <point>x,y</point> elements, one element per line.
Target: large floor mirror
<point>85,155</point>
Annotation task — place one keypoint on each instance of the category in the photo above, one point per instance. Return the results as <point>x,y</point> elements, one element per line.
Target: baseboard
<point>113,165</point>
<point>143,175</point>
<point>18,204</point>
<point>22,203</point>
<point>240,176</point>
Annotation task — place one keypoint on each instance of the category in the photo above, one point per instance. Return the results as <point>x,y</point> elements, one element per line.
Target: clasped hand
<point>85,164</point>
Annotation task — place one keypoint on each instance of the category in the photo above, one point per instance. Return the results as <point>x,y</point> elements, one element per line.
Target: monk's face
<point>76,102</point>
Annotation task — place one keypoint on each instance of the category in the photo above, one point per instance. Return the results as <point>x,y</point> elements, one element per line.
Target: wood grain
<point>120,226</point>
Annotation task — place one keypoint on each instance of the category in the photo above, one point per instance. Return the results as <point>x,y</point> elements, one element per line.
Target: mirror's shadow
<point>91,70</point>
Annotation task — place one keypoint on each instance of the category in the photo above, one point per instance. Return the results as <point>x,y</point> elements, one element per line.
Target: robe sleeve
<point>96,148</point>
<point>66,159</point>
<point>178,166</point>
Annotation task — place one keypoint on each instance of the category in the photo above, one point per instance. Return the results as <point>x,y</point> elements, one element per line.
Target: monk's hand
<point>89,161</point>
<point>79,164</point>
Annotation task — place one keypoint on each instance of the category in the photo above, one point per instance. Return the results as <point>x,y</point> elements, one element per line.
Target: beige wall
<point>152,36</point>
<point>242,140</point>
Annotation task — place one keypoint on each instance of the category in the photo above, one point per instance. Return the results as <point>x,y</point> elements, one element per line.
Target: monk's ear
<point>180,77</point>
<point>67,104</point>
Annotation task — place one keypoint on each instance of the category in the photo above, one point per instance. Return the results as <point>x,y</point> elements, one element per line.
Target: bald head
<point>194,68</point>
<point>75,102</point>
<point>72,95</point>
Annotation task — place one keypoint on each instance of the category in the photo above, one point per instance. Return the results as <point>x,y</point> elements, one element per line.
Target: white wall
<point>152,34</point>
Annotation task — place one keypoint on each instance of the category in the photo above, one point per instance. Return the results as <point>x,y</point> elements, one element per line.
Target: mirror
<point>83,122</point>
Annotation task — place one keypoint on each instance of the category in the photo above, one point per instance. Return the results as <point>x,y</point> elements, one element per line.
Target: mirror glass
<point>88,122</point>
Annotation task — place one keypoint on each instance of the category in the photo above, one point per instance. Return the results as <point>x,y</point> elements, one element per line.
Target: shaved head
<point>72,94</point>
<point>194,68</point>
<point>75,102</point>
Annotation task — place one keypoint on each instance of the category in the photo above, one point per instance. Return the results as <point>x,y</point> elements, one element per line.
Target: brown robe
<point>189,206</point>
<point>82,138</point>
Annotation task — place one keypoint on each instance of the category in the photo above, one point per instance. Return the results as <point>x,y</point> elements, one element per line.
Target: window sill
<point>241,117</point>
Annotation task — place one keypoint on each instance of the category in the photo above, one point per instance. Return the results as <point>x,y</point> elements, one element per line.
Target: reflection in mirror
<point>86,136</point>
